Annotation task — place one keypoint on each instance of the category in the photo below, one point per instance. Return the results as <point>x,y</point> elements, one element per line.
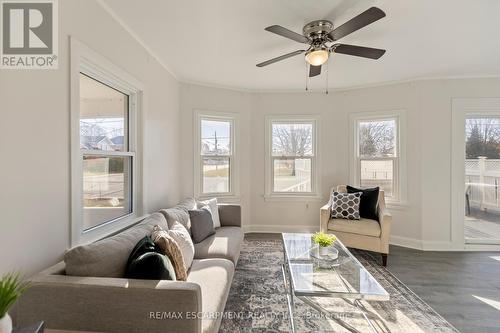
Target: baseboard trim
<point>424,245</point>
<point>276,228</point>
<point>411,243</point>
<point>408,242</point>
<point>482,247</point>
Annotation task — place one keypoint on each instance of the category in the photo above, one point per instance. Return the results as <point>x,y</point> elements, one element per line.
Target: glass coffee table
<point>308,276</point>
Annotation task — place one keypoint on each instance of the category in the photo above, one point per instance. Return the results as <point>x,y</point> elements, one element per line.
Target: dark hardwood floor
<point>452,283</point>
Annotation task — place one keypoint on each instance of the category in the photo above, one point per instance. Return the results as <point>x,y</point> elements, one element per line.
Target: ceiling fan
<point>322,37</point>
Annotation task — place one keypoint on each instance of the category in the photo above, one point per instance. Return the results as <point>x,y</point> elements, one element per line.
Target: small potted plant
<point>11,288</point>
<point>324,241</point>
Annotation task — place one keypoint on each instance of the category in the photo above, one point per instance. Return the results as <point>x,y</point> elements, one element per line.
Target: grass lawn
<point>222,172</point>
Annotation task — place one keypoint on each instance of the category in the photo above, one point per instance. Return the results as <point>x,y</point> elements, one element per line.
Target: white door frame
<point>461,109</point>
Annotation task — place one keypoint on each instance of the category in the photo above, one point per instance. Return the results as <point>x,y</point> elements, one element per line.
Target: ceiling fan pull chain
<point>327,70</point>
<point>307,76</point>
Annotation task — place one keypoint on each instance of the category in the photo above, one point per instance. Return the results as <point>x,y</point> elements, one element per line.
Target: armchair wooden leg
<point>384,259</point>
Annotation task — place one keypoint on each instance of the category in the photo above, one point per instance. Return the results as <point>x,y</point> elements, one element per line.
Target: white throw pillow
<point>214,209</point>
<point>180,234</point>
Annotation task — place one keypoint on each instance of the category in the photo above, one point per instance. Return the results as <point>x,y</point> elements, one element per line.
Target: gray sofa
<point>87,290</point>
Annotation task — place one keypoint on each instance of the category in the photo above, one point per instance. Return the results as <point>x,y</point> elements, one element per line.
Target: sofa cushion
<point>345,205</point>
<point>169,246</point>
<point>179,213</point>
<point>202,224</point>
<point>368,201</point>
<point>225,243</point>
<point>108,257</point>
<point>214,277</point>
<point>146,263</point>
<point>187,203</point>
<point>214,209</point>
<point>362,226</point>
<point>181,236</point>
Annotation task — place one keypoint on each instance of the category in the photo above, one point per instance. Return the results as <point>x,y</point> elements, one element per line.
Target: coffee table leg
<point>317,307</point>
<point>363,312</point>
<point>289,295</point>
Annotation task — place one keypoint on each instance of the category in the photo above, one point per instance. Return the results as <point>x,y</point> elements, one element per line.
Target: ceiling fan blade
<point>362,20</point>
<point>359,51</point>
<point>282,57</point>
<point>279,30</point>
<point>314,70</point>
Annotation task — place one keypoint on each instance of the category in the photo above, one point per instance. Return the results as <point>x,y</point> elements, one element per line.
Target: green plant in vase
<point>11,288</point>
<point>324,241</point>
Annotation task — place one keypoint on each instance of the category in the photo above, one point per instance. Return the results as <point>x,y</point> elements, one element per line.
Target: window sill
<point>106,229</point>
<point>397,205</point>
<point>220,197</point>
<point>298,197</point>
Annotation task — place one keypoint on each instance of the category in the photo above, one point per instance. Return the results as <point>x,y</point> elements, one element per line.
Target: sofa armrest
<point>385,220</point>
<point>111,304</point>
<point>324,217</point>
<point>230,215</point>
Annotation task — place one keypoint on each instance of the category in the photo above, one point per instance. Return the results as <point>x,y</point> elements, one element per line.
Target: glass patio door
<point>482,180</point>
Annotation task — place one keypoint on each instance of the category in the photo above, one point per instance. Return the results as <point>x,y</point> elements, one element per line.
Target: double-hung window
<point>291,157</point>
<point>377,153</point>
<point>104,149</point>
<point>215,169</point>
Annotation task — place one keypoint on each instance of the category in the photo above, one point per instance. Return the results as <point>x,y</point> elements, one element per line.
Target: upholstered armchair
<point>364,234</point>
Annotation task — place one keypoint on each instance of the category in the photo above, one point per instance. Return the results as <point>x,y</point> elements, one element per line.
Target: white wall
<point>194,98</point>
<point>34,138</point>
<point>435,107</point>
<point>424,222</point>
<point>35,161</point>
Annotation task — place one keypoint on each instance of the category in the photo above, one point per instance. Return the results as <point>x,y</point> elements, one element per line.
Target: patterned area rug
<point>257,301</point>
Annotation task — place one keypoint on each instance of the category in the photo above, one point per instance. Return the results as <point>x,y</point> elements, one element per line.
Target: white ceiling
<point>218,42</point>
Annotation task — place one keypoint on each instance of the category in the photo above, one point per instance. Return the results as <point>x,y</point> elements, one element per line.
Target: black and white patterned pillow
<point>345,205</point>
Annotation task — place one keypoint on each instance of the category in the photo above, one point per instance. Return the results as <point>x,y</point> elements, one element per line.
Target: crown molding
<point>118,19</point>
<point>340,89</point>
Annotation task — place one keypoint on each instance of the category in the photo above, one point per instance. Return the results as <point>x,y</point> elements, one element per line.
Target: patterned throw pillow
<point>345,205</point>
<point>172,250</point>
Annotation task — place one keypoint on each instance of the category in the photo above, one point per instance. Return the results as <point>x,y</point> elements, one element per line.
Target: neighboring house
<point>118,142</point>
<point>100,142</point>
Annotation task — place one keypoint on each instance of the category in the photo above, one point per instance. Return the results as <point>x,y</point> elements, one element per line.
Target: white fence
<point>302,181</point>
<point>482,183</point>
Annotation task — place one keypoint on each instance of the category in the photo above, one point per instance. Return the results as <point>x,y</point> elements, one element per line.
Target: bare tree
<point>376,138</point>
<point>292,140</point>
<point>483,137</point>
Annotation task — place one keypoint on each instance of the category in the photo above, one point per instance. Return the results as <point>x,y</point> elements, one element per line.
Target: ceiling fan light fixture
<point>317,57</point>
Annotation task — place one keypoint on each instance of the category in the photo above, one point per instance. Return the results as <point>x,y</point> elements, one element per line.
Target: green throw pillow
<point>147,262</point>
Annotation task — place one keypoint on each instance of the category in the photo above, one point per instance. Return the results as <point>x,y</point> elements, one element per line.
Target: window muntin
<point>377,154</point>
<point>292,157</point>
<point>106,157</point>
<point>216,155</point>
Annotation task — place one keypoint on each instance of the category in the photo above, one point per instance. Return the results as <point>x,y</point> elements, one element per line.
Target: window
<point>105,183</point>
<point>106,157</point>
<point>215,155</point>
<point>377,154</point>
<point>291,157</point>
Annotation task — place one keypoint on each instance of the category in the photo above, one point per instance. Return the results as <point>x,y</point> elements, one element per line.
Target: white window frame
<point>86,61</point>
<point>270,194</point>
<point>399,160</point>
<point>233,119</point>
<point>463,108</point>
